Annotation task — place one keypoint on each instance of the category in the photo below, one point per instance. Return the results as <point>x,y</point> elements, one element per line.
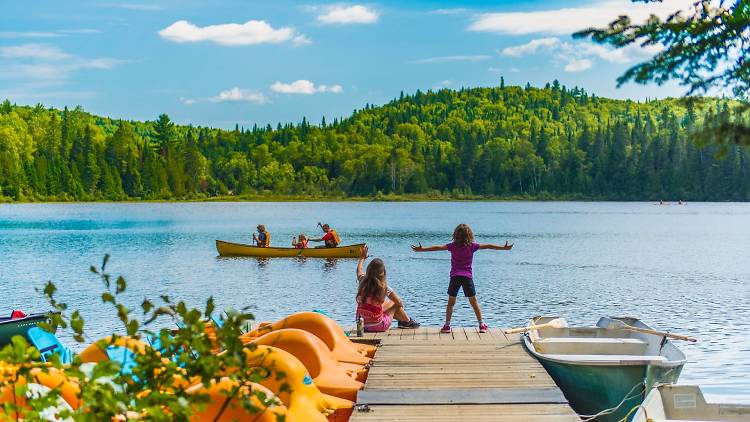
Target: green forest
<point>499,142</point>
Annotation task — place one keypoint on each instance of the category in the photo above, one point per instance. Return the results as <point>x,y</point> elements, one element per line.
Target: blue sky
<point>223,62</point>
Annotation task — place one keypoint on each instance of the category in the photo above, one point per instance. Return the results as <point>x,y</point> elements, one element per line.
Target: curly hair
<point>463,235</point>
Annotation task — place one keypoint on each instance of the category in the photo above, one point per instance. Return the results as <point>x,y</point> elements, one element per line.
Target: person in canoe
<point>331,238</point>
<point>263,238</point>
<point>377,303</point>
<point>300,242</point>
<point>462,250</point>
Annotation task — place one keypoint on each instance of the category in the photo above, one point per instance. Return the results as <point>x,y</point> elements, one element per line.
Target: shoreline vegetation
<point>496,143</point>
<point>380,197</point>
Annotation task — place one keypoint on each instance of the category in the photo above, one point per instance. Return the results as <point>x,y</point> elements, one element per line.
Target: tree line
<point>505,141</point>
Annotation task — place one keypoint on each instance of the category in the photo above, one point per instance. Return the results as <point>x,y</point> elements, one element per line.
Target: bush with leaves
<point>157,386</point>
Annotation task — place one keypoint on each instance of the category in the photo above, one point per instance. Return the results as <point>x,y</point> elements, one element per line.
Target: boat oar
<point>555,323</point>
<point>615,324</point>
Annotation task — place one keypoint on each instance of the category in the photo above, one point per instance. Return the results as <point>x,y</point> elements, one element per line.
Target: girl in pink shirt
<point>377,303</point>
<point>462,254</point>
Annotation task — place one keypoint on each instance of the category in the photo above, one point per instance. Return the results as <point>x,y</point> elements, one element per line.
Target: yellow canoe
<point>239,249</point>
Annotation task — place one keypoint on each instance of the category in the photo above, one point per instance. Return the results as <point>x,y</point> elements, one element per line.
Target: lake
<point>679,268</point>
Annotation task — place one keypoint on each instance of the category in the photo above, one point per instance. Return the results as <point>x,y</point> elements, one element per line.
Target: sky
<point>225,62</point>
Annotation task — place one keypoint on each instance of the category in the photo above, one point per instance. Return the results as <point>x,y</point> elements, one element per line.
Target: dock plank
<point>425,375</point>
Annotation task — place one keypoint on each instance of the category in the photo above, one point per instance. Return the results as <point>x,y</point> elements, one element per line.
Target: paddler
<point>331,238</point>
<point>263,238</point>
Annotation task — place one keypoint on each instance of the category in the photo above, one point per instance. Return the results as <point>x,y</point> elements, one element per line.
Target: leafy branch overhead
<point>704,48</point>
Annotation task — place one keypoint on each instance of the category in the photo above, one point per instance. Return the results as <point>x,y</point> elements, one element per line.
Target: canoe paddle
<point>617,324</point>
<point>555,323</point>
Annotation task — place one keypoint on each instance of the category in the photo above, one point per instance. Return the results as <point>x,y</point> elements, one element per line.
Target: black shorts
<point>460,282</point>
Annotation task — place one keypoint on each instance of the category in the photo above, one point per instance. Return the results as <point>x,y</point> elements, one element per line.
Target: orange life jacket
<point>336,238</point>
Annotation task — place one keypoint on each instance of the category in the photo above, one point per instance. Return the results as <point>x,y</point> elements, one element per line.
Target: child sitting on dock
<point>378,304</point>
<point>462,254</point>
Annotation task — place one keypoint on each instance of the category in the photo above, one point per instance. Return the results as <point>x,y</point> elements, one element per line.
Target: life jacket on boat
<point>334,240</point>
<point>16,314</point>
<point>301,244</point>
<point>264,239</point>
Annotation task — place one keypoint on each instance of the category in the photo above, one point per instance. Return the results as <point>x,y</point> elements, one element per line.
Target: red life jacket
<point>16,314</point>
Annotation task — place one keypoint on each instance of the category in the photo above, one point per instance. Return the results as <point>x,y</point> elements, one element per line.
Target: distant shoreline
<point>373,198</point>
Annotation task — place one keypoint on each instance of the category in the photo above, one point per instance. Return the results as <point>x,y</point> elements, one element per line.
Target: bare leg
<point>394,311</point>
<point>398,313</point>
<point>475,306</point>
<point>449,309</point>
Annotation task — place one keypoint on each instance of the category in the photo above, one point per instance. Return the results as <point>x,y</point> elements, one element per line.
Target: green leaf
<point>121,285</point>
<point>50,289</point>
<point>147,306</point>
<point>209,307</point>
<point>132,327</point>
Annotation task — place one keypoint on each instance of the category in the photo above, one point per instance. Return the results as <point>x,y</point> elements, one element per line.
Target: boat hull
<point>18,327</point>
<point>239,249</point>
<point>593,388</point>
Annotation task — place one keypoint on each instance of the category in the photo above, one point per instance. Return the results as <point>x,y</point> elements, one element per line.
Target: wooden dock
<point>425,375</point>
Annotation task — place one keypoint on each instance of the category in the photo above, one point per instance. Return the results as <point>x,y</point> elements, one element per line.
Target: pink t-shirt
<point>461,258</point>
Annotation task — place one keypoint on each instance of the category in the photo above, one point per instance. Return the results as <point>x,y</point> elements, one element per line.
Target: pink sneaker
<point>483,328</point>
<point>446,329</point>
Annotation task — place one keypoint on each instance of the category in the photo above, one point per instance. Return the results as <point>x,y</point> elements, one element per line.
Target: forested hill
<point>495,142</point>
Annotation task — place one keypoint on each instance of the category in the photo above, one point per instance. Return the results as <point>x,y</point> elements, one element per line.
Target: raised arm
<point>420,248</point>
<point>361,262</point>
<point>506,247</point>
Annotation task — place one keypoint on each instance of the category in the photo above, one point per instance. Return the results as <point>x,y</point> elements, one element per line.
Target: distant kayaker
<point>331,238</point>
<point>377,303</point>
<point>462,253</point>
<point>263,238</point>
<point>300,242</point>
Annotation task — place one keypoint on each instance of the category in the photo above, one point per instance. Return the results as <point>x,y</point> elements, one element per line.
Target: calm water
<point>679,268</point>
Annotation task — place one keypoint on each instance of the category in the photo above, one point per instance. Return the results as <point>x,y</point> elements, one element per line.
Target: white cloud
<point>301,40</point>
<point>577,65</point>
<point>33,51</point>
<point>303,86</point>
<point>35,68</point>
<point>579,56</point>
<point>249,33</point>
<point>348,14</point>
<point>568,20</point>
<point>79,31</point>
<point>46,34</point>
<point>443,59</point>
<point>28,34</point>
<point>530,47</point>
<point>443,84</point>
<point>452,11</point>
<point>499,70</point>
<point>142,7</point>
<point>235,94</point>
